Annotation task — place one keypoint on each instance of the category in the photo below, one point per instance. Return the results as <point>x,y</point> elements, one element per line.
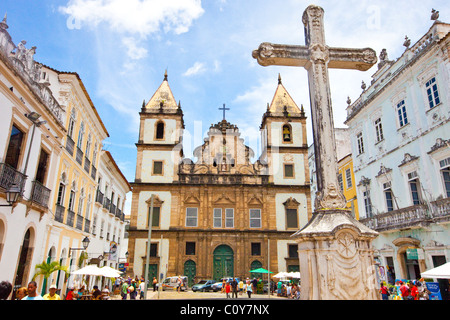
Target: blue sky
<point>121,48</point>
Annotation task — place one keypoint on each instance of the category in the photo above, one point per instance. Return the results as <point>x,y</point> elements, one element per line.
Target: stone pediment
<point>191,199</point>
<point>157,202</point>
<point>291,203</point>
<point>255,201</point>
<point>223,199</point>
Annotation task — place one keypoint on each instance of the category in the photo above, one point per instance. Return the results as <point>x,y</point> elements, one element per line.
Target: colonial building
<point>108,222</point>
<point>399,129</point>
<point>222,214</point>
<point>31,134</point>
<point>73,203</point>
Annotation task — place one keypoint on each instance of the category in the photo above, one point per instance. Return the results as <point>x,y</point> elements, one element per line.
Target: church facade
<point>222,215</point>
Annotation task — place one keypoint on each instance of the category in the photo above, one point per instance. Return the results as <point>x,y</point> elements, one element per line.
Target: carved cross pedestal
<point>336,259</point>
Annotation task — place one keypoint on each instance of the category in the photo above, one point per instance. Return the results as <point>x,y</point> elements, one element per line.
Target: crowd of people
<point>405,290</point>
<point>30,293</point>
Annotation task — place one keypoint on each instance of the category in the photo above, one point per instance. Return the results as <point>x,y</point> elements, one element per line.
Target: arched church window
<point>287,134</point>
<point>160,130</point>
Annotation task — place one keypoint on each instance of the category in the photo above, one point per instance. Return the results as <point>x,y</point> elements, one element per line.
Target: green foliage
<point>46,269</point>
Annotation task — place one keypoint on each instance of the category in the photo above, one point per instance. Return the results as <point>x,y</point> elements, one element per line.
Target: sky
<point>121,49</point>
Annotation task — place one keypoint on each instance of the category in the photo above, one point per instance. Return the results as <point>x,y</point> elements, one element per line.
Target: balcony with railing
<point>70,218</point>
<point>87,225</point>
<point>93,172</point>
<point>59,213</point>
<point>99,197</point>
<point>79,156</point>
<point>10,176</point>
<point>112,209</point>
<point>106,203</point>
<point>79,224</point>
<point>40,194</point>
<point>87,164</point>
<point>70,145</point>
<point>411,217</point>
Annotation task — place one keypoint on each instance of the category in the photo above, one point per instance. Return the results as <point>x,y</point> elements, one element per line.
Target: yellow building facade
<point>346,180</point>
<point>73,202</point>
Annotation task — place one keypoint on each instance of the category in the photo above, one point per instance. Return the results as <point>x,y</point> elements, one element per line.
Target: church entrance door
<point>223,262</point>
<point>190,271</point>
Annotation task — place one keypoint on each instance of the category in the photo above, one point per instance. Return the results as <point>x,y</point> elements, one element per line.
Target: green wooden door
<point>223,262</point>
<point>152,272</point>
<point>190,270</point>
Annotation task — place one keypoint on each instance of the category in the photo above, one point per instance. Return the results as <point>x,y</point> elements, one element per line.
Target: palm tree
<point>46,269</point>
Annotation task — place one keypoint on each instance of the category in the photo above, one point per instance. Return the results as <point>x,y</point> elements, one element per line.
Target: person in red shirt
<point>70,294</point>
<point>384,291</point>
<point>404,289</point>
<point>414,292</point>
<point>228,289</point>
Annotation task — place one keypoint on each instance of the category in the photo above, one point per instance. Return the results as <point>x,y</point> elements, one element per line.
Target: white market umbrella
<point>91,269</point>
<point>281,275</point>
<point>294,275</point>
<point>441,272</point>
<point>109,272</point>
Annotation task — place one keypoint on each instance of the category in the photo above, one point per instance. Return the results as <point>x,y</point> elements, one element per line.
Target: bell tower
<point>283,136</point>
<point>159,148</point>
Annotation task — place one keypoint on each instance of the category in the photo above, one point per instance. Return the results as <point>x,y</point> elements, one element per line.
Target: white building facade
<point>31,131</point>
<point>399,130</point>
<point>107,242</point>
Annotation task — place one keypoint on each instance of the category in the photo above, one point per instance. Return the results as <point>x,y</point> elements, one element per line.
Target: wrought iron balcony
<point>106,203</point>
<point>79,156</point>
<point>79,224</point>
<point>411,217</point>
<point>87,164</point>
<point>87,224</point>
<point>99,197</point>
<point>93,172</point>
<point>10,176</point>
<point>70,145</point>
<point>59,213</point>
<point>41,194</point>
<point>70,218</point>
<point>112,209</point>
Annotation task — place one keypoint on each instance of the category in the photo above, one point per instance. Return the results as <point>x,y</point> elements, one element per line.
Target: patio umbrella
<point>281,275</point>
<point>294,275</point>
<point>441,272</point>
<point>91,269</point>
<point>260,270</point>
<point>109,272</point>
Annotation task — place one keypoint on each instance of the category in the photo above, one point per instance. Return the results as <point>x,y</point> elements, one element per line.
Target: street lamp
<point>12,195</point>
<point>85,243</point>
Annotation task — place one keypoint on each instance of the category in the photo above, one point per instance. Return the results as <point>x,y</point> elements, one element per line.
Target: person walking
<point>154,283</point>
<point>32,294</point>
<point>124,290</point>
<point>241,287</point>
<point>384,291</point>
<point>228,289</point>
<point>249,290</point>
<point>234,288</point>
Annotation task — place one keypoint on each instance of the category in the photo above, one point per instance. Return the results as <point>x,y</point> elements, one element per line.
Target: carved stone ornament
<point>330,199</point>
<point>346,245</point>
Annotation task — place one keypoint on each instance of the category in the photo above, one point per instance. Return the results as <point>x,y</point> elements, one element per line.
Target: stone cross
<point>224,109</point>
<point>316,57</point>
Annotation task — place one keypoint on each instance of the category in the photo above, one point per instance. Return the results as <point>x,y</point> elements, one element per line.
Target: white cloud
<point>133,50</point>
<point>197,68</point>
<point>142,17</point>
